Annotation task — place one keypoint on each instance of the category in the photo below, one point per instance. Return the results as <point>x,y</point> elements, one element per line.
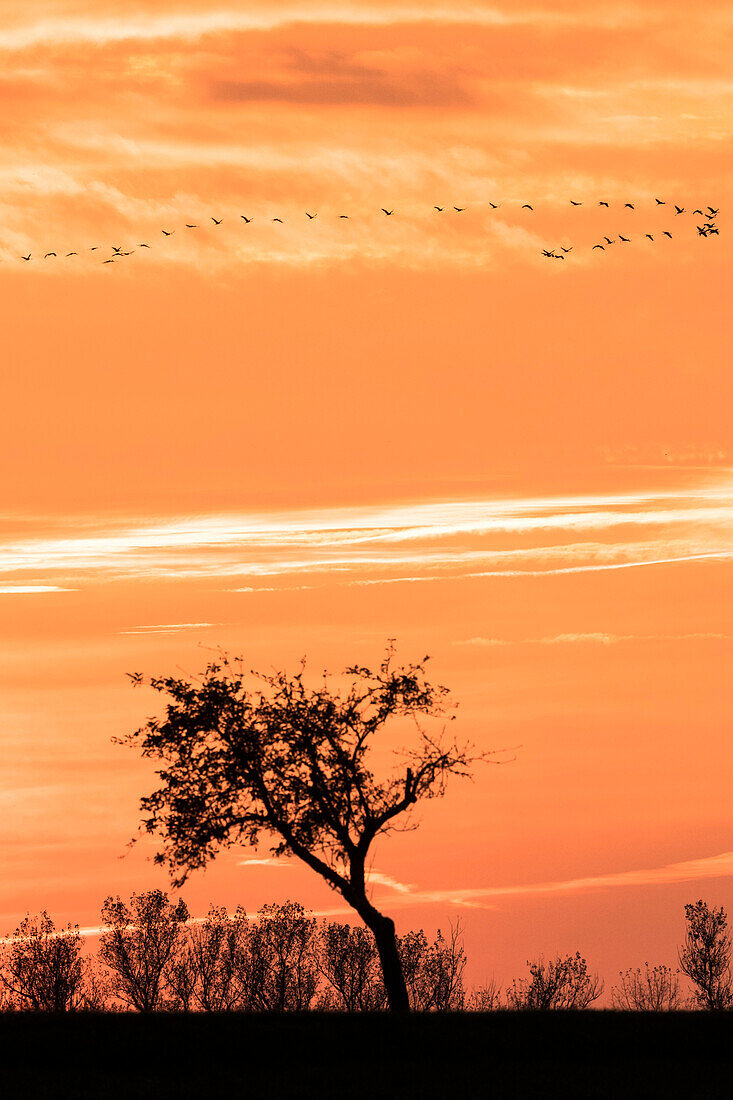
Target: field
<point>591,1055</point>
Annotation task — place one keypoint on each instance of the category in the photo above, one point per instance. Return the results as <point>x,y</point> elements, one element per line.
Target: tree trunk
<point>383,930</point>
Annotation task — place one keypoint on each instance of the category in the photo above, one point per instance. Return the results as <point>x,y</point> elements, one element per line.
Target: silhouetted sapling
<point>251,755</point>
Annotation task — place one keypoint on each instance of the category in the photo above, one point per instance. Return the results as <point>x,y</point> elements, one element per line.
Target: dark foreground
<point>591,1055</point>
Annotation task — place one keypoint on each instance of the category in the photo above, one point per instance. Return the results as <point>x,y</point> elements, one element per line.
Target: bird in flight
<point>439,209</point>
<point>346,216</point>
<point>602,203</point>
<point>279,220</point>
<point>71,254</point>
<point>629,205</point>
<point>608,240</point>
<point>166,233</point>
<point>216,221</point>
<point>678,209</point>
<point>713,212</point>
<point>459,209</point>
<point>107,261</point>
<point>649,236</point>
<point>624,239</point>
<point>245,219</point>
<point>94,248</point>
<point>494,205</point>
<point>702,230</point>
<point>698,212</point>
<point>116,250</point>
<point>128,253</point>
<point>573,203</point>
<point>143,246</point>
<point>191,226</point>
<point>567,249</point>
<point>667,234</point>
<point>49,254</point>
<point>527,206</point>
<point>550,255</point>
<point>599,246</point>
<point>661,202</point>
<point>26,258</point>
<point>389,213</point>
<point>310,216</point>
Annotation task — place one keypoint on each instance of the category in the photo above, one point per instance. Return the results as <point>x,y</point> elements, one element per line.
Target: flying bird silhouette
<point>713,212</point>
<point>649,236</point>
<point>573,203</point>
<point>661,202</point>
<point>678,209</point>
<point>166,233</point>
<point>279,220</point>
<point>26,258</point>
<point>702,230</point>
<point>310,216</point>
<point>94,248</point>
<point>245,218</point>
<point>143,246</point>
<point>527,206</point>
<point>630,206</point>
<point>608,240</point>
<point>107,261</point>
<point>346,216</point>
<point>49,254</point>
<point>624,239</point>
<point>602,203</point>
<point>599,246</point>
<point>550,255</point>
<point>217,221</point>
<point>698,212</point>
<point>667,234</point>
<point>439,209</point>
<point>71,254</point>
<point>191,226</point>
<point>567,249</point>
<point>494,205</point>
<point>389,213</point>
<point>117,250</point>
<point>459,209</point>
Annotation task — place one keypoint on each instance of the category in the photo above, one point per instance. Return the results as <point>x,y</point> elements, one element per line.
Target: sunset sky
<point>305,438</point>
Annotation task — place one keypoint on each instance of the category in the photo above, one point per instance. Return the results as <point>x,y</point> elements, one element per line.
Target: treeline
<point>153,957</point>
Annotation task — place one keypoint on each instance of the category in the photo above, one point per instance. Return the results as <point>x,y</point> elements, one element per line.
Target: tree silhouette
<point>140,944</point>
<point>42,968</point>
<point>705,956</point>
<point>293,763</point>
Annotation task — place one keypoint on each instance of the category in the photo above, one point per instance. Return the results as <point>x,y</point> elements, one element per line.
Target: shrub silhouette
<point>561,983</point>
<point>653,989</point>
<point>705,956</point>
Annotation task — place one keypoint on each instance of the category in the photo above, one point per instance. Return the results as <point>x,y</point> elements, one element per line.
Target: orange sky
<point>305,438</point>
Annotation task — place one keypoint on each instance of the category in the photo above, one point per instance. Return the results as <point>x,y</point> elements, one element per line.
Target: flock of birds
<point>708,228</point>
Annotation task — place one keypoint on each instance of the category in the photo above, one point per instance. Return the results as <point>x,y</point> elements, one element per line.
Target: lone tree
<point>249,755</point>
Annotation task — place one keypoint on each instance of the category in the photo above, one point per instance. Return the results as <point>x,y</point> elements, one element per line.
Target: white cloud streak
<point>190,26</point>
<point>524,537</point>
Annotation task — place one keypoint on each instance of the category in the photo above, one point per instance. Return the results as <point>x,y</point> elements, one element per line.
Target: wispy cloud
<point>597,638</point>
<point>30,589</point>
<point>420,541</point>
<point>193,25</point>
<point>170,628</point>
